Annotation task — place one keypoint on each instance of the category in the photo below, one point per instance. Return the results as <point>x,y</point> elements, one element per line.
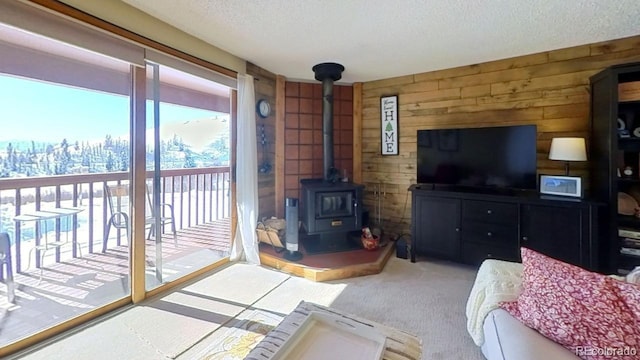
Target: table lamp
<point>568,149</point>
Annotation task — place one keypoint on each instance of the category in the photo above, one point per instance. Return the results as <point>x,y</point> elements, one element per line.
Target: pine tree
<point>124,160</point>
<point>110,163</point>
<point>189,162</point>
<point>64,158</point>
<point>86,157</point>
<point>108,142</point>
<point>11,161</point>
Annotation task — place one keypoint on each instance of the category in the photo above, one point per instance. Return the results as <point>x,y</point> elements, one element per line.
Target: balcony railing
<point>197,195</point>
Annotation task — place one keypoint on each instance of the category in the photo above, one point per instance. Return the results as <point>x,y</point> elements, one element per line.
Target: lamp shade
<point>568,149</point>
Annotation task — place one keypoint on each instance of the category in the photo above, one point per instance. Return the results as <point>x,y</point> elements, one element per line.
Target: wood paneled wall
<point>549,89</point>
<point>265,88</point>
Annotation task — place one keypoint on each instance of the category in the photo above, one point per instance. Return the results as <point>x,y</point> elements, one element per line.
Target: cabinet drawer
<point>490,211</point>
<point>475,254</point>
<point>505,235</point>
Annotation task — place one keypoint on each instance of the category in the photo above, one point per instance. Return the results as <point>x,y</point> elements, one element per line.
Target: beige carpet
<point>426,299</point>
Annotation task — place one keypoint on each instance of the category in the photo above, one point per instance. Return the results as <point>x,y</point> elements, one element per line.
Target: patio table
<point>42,216</point>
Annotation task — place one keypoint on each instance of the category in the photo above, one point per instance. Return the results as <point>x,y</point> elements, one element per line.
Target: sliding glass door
<point>64,182</point>
<point>114,173</point>
<point>188,182</point>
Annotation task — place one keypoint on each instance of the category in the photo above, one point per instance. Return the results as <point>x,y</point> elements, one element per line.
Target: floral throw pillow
<point>593,315</point>
<point>630,294</point>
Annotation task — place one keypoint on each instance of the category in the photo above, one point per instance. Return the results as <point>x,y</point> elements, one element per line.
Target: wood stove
<point>330,208</point>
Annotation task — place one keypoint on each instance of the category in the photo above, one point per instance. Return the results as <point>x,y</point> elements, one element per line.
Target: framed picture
<point>561,185</point>
<point>389,124</point>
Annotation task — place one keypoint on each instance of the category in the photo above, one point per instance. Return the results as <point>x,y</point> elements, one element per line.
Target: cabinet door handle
<point>489,211</point>
<point>489,234</point>
<point>524,238</point>
<point>457,229</point>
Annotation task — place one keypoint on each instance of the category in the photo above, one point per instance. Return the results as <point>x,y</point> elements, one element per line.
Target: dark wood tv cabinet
<point>469,225</point>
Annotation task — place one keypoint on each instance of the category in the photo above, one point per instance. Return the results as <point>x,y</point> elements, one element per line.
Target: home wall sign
<point>389,124</point>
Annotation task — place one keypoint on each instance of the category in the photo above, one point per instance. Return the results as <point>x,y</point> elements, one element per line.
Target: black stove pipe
<point>328,73</point>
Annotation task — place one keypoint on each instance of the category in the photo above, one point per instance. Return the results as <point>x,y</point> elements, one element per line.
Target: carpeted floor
<point>426,299</point>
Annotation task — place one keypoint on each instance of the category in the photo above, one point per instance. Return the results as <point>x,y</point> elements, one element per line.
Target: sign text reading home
<point>389,124</point>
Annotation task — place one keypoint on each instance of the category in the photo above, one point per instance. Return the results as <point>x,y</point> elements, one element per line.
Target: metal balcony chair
<point>5,261</point>
<point>118,198</point>
<point>166,217</point>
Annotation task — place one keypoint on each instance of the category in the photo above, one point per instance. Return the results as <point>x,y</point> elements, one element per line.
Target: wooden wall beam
<point>357,133</point>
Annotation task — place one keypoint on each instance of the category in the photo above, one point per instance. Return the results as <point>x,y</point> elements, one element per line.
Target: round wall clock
<point>263,108</point>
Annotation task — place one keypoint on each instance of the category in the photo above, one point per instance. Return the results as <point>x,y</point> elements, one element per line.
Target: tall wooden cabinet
<point>615,147</point>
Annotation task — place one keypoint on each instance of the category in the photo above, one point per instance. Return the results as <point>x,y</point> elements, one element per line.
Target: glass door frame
<point>139,291</point>
<point>138,183</point>
<point>157,225</point>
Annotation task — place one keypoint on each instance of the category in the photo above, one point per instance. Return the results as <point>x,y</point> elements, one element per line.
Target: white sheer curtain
<point>245,244</point>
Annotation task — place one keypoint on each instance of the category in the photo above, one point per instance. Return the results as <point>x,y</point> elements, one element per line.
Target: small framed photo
<point>561,185</point>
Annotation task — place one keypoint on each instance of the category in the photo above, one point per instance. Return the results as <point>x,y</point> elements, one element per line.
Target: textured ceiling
<point>377,39</point>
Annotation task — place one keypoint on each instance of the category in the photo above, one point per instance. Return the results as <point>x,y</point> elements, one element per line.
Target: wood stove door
<point>334,204</point>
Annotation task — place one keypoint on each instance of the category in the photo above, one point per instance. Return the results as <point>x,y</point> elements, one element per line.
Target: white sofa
<point>506,338</point>
<point>500,335</point>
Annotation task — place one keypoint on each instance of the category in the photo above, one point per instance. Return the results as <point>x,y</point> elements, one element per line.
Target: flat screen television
<point>489,157</point>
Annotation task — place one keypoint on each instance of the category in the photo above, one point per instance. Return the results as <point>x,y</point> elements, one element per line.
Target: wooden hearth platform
<point>331,266</point>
